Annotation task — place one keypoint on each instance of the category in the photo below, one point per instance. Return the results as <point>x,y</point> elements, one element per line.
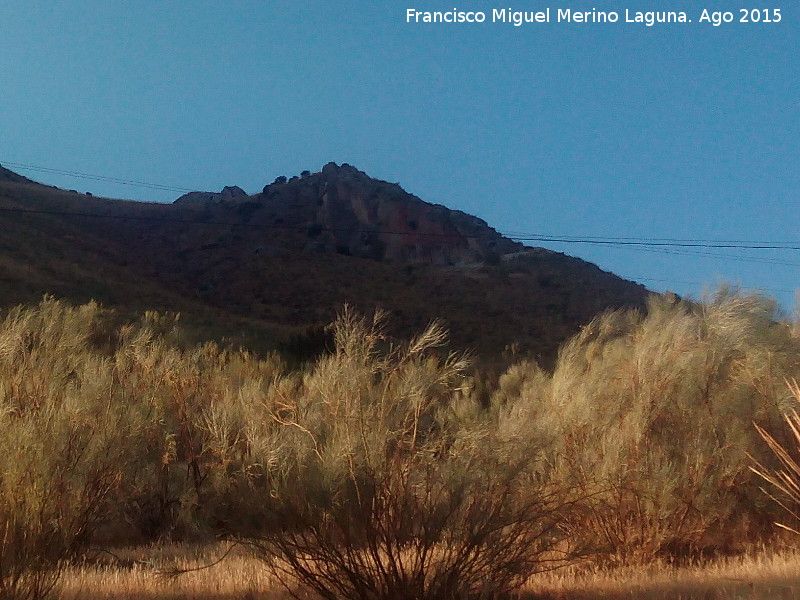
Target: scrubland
<point>653,461</point>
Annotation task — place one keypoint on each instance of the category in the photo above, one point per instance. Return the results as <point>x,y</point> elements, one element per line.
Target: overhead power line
<point>104,178</point>
<point>660,247</point>
<point>700,283</point>
<point>660,250</point>
<point>517,236</point>
<point>672,246</point>
<point>225,223</point>
<point>741,245</point>
<point>733,257</point>
<point>640,239</point>
<point>643,243</point>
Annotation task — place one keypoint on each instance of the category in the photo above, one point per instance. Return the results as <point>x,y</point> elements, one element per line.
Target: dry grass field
<point>139,574</point>
<point>760,576</point>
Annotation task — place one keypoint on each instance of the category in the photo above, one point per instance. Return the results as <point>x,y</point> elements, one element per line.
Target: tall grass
<point>62,443</point>
<point>384,470</point>
<point>390,482</point>
<point>784,480</point>
<point>653,413</point>
<point>103,436</point>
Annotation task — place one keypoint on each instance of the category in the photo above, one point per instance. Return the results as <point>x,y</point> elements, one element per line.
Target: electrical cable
<point>672,246</point>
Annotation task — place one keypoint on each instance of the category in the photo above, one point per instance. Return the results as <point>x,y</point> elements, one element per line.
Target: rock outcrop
<point>228,194</point>
<point>341,209</point>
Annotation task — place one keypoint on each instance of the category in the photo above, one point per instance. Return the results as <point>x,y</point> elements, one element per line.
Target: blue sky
<point>683,131</point>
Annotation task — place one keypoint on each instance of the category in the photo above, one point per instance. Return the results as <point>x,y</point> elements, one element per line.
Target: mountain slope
<point>7,175</point>
<point>260,266</point>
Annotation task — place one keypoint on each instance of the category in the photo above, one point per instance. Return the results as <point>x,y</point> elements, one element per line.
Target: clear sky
<point>680,131</point>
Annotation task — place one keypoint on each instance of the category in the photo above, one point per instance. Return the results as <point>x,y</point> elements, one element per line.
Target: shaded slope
<point>257,266</point>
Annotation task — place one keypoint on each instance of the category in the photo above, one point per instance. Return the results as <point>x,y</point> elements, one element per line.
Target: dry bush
<point>653,415</point>
<point>194,407</point>
<point>784,480</point>
<point>380,471</point>
<point>62,439</point>
<point>386,481</point>
<point>111,434</point>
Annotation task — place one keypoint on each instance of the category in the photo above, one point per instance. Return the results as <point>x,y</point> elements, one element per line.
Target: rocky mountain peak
<point>253,260</point>
<point>343,210</point>
<point>228,194</point>
<point>352,213</point>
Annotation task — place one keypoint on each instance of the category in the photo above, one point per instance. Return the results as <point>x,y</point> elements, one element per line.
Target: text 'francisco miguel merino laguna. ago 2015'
<point>546,15</point>
<point>568,15</point>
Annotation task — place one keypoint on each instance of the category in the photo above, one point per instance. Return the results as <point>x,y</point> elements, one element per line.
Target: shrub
<point>111,434</point>
<point>384,471</point>
<point>387,481</point>
<point>192,407</point>
<point>653,415</point>
<point>62,443</point>
<point>784,481</point>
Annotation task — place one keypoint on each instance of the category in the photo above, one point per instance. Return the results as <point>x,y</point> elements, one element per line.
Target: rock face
<point>228,194</point>
<point>341,209</point>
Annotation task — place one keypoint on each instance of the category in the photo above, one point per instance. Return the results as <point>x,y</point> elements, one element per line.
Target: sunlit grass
<point>760,576</point>
<point>139,575</point>
<point>143,573</point>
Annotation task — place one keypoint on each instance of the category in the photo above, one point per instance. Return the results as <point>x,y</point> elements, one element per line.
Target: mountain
<point>257,268</point>
<point>344,210</point>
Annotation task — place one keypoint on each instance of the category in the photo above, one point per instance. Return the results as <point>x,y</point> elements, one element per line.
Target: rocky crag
<point>341,209</point>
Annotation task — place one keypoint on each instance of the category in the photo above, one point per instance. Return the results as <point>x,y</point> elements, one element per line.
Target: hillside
<point>254,268</point>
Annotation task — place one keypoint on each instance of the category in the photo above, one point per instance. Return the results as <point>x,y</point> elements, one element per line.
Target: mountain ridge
<point>346,211</point>
<point>255,268</point>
